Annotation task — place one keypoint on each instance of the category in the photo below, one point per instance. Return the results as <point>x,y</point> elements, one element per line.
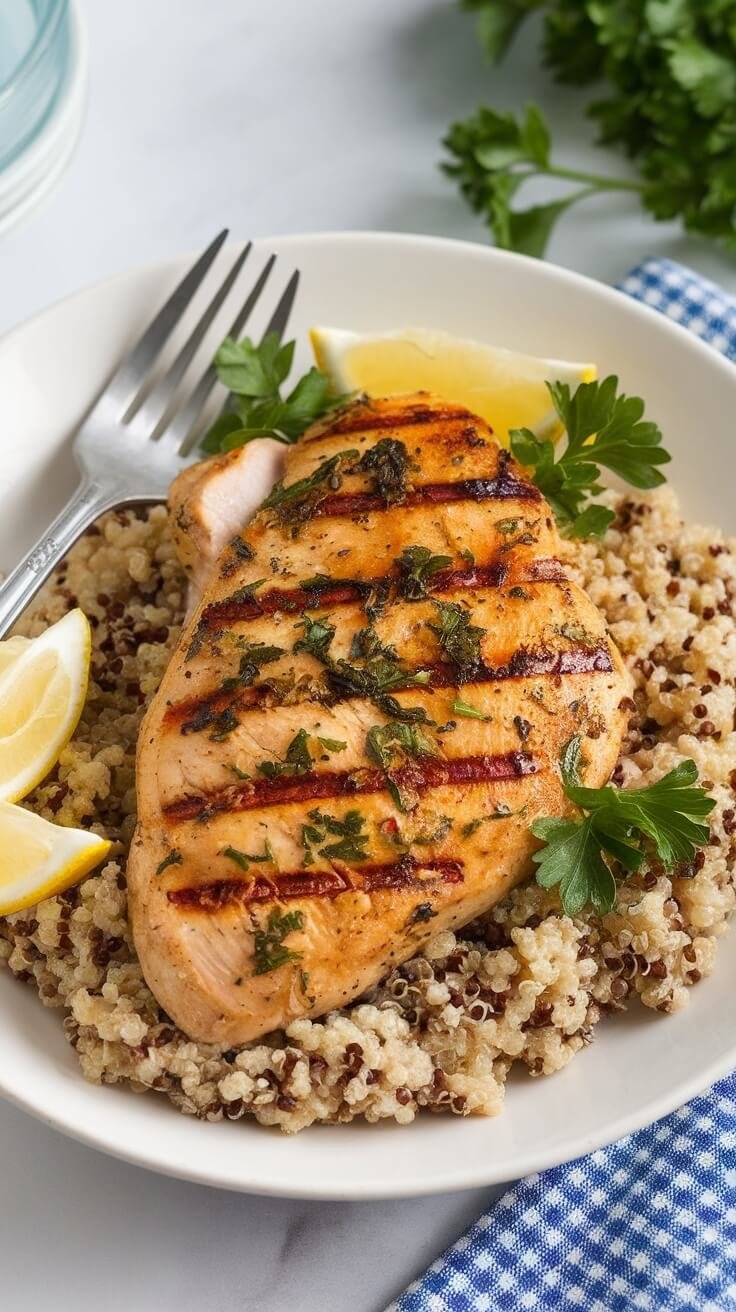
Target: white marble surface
<point>286,116</point>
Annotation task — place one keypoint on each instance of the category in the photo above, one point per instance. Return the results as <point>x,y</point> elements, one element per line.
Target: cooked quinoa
<point>525,984</point>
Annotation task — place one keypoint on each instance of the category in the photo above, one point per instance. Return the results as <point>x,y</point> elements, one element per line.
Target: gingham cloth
<point>649,1223</point>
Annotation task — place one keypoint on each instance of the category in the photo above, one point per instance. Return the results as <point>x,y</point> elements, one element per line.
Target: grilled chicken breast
<point>363,718</point>
<point>210,501</point>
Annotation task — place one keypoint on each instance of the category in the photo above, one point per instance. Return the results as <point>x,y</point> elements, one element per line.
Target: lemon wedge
<point>505,387</point>
<point>10,650</point>
<point>43,684</point>
<point>38,859</point>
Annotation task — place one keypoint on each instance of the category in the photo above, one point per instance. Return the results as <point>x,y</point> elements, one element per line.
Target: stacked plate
<point>42,89</point>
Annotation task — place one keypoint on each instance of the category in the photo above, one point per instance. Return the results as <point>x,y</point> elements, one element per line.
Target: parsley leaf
<point>618,824</point>
<point>391,746</point>
<point>297,759</point>
<point>389,464</point>
<point>604,429</point>
<point>174,858</point>
<point>380,673</point>
<point>254,375</point>
<point>456,635</point>
<point>255,655</point>
<point>459,707</point>
<point>244,859</point>
<point>269,951</point>
<point>417,565</point>
<point>493,154</point>
<point>349,833</point>
<point>318,635</point>
<point>297,502</point>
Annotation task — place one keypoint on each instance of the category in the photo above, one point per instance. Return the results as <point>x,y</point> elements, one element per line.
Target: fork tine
<point>280,317</point>
<point>150,412</point>
<point>183,422</point>
<point>125,383</point>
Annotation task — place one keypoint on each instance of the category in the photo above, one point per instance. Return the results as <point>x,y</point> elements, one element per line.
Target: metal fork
<point>132,442</point>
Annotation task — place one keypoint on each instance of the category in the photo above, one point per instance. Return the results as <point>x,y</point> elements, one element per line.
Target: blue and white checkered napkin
<point>649,1223</point>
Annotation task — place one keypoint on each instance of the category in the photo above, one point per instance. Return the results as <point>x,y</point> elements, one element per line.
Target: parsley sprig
<point>604,429</point>
<point>619,825</point>
<point>493,154</point>
<point>669,72</point>
<point>254,375</point>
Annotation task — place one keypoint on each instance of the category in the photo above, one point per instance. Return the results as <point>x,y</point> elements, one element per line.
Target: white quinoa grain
<point>524,984</point>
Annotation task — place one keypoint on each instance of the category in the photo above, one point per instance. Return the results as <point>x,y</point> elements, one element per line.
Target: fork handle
<point>22,584</point>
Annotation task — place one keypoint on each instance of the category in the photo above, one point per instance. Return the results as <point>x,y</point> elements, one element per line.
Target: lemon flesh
<point>506,388</point>
<point>38,859</point>
<point>43,685</point>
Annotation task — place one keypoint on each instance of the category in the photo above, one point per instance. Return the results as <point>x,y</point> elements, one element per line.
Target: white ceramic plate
<point>640,1066</point>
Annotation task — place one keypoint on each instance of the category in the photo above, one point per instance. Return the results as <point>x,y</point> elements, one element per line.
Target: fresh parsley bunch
<point>604,429</point>
<point>621,825</point>
<point>254,375</point>
<point>670,66</point>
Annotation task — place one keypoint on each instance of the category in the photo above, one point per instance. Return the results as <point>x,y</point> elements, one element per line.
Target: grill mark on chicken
<point>341,592</point>
<point>197,713</point>
<point>363,419</point>
<point>398,875</point>
<point>422,776</point>
<point>503,487</point>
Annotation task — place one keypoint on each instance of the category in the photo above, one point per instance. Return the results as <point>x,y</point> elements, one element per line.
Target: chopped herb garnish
<point>604,429</point>
<point>576,633</point>
<point>240,552</point>
<point>304,985</point>
<point>457,636</point>
<point>571,761</point>
<point>174,858</point>
<point>467,554</point>
<point>253,658</point>
<point>297,503</point>
<point>269,951</point>
<point>195,646</point>
<point>522,727</point>
<point>620,825</point>
<point>416,566</point>
<point>331,744</point>
<point>421,913</point>
<point>223,724</point>
<point>240,774</point>
<point>243,859</point>
<point>318,635</point>
<point>391,746</point>
<point>297,759</point>
<point>375,680</point>
<point>428,837</point>
<point>389,464</point>
<point>501,812</point>
<point>349,832</point>
<point>247,590</point>
<point>367,645</point>
<point>507,526</point>
<point>460,707</point>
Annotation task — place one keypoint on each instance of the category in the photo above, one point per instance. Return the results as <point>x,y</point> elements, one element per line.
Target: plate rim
<point>465,1175</point>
